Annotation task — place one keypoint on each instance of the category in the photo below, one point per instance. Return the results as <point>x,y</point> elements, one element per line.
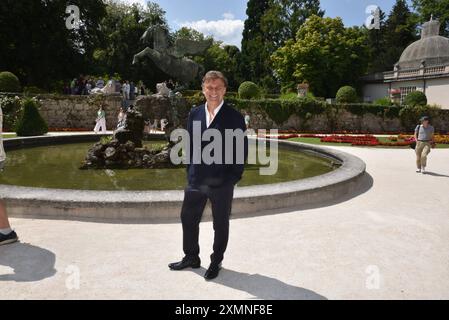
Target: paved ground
<point>390,242</point>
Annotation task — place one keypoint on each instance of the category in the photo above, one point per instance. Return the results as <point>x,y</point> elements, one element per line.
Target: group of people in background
<point>85,85</point>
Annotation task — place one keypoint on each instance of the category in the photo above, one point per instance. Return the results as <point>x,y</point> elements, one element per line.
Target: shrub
<point>410,115</point>
<point>31,123</point>
<point>385,101</point>
<point>9,82</point>
<point>346,94</point>
<point>361,109</point>
<point>415,98</point>
<point>249,90</point>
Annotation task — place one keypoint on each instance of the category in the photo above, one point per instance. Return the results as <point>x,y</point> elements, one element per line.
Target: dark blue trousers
<point>195,199</point>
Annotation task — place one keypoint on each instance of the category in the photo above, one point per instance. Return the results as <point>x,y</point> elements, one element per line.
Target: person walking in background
<point>7,235</point>
<point>424,136</point>
<point>101,121</point>
<point>125,89</point>
<point>247,120</point>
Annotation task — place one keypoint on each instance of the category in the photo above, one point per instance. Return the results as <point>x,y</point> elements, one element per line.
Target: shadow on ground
<point>434,174</point>
<point>29,263</point>
<point>261,287</point>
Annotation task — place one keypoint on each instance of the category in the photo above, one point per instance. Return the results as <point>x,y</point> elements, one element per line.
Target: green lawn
<point>381,139</point>
<point>8,135</point>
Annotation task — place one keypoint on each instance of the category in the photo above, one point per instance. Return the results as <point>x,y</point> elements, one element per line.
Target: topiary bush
<point>347,94</point>
<point>415,98</point>
<point>249,90</point>
<point>9,82</point>
<point>31,123</point>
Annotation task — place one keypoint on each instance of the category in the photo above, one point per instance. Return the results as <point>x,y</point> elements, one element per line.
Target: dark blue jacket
<point>216,174</point>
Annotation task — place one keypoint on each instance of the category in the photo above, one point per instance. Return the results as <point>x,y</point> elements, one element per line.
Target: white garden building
<point>423,66</point>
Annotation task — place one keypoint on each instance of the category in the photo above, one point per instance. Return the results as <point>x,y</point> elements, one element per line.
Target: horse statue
<point>171,57</point>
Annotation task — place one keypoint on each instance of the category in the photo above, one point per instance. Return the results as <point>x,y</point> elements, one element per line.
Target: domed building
<point>423,66</point>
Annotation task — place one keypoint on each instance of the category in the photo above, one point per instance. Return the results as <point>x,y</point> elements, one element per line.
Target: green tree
<point>189,34</point>
<point>283,19</point>
<point>37,46</point>
<point>400,31</point>
<point>123,26</point>
<point>255,56</point>
<point>325,54</point>
<point>438,8</point>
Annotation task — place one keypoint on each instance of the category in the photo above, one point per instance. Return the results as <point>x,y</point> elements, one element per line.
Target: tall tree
<point>438,8</point>
<point>325,54</point>
<point>376,43</point>
<point>400,31</point>
<point>254,56</point>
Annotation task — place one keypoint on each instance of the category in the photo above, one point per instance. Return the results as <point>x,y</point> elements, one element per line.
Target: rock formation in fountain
<point>125,150</point>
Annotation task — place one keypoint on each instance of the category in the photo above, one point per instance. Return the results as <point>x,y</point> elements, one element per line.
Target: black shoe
<point>186,263</point>
<point>8,238</point>
<point>213,271</point>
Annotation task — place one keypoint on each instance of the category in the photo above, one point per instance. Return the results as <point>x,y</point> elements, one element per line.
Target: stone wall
<point>80,112</point>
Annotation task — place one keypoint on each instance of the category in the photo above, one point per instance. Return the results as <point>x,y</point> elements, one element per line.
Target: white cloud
<point>228,29</point>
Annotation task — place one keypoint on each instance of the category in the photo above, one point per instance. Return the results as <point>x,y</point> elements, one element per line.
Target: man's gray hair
<point>213,75</point>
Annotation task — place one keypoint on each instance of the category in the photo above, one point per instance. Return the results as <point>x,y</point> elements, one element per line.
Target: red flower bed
<point>366,140</point>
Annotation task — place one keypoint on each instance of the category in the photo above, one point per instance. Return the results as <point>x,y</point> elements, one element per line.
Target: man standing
<point>214,181</point>
<point>424,141</point>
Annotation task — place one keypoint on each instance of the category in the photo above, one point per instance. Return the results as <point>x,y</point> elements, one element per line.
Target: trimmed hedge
<point>31,123</point>
<point>249,90</point>
<point>279,110</point>
<point>415,98</point>
<point>9,82</point>
<point>346,94</point>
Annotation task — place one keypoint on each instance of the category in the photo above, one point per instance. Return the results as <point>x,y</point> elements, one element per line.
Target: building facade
<point>423,66</point>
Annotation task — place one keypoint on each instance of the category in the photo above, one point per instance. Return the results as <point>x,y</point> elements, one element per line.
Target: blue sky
<point>224,18</point>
